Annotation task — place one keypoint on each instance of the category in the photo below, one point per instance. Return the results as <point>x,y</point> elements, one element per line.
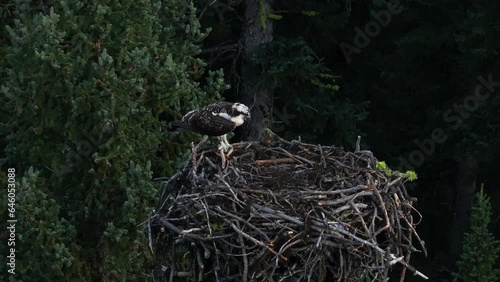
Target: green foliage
<point>409,174</point>
<point>382,166</point>
<point>263,15</point>
<point>309,13</point>
<point>275,16</point>
<point>326,81</point>
<point>480,249</point>
<point>88,89</point>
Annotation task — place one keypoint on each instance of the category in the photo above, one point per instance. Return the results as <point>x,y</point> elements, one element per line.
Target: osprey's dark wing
<point>218,107</point>
<point>212,120</point>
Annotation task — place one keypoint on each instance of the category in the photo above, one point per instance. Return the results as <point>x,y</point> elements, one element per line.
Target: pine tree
<point>480,249</point>
<point>89,87</point>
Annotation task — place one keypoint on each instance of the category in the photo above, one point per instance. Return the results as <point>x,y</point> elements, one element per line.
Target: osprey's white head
<point>240,113</point>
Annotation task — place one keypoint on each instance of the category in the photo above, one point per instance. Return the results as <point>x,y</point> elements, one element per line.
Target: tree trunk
<point>253,94</point>
<point>465,188</point>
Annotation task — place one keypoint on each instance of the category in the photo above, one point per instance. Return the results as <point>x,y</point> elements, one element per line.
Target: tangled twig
<point>288,211</point>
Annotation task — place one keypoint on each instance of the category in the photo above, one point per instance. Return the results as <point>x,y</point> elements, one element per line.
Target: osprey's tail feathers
<point>179,125</point>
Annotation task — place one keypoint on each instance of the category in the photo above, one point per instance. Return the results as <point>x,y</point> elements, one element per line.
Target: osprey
<point>217,119</point>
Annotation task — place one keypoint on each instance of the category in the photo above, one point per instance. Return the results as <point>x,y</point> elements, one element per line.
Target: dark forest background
<point>88,90</point>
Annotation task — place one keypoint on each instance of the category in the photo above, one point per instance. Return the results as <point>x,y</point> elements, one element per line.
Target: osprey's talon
<point>225,148</point>
<point>229,152</point>
<point>223,157</point>
<point>221,147</point>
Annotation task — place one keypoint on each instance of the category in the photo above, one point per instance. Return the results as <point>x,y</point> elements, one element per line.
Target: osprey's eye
<point>244,114</point>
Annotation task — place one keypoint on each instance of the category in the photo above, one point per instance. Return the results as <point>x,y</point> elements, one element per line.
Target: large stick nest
<point>287,211</point>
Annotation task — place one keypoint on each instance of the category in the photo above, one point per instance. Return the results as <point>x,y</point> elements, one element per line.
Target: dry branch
<point>287,211</point>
